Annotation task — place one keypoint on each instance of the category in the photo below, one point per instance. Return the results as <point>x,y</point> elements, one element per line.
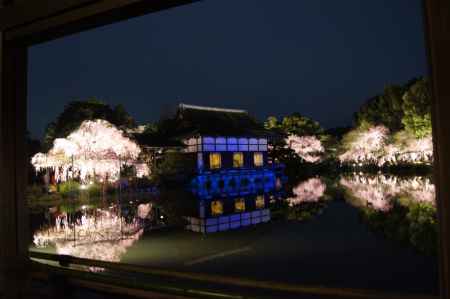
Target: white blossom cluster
<point>309,148</point>
<point>95,149</point>
<point>373,147</point>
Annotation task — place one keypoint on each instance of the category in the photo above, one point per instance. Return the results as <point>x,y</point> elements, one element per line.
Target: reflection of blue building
<point>232,166</point>
<point>222,214</point>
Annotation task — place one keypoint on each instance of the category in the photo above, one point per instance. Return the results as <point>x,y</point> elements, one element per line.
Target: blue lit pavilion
<point>234,176</point>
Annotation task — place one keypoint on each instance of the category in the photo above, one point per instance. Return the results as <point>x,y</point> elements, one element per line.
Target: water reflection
<point>379,191</point>
<point>311,190</point>
<point>222,214</point>
<point>400,208</point>
<point>94,233</point>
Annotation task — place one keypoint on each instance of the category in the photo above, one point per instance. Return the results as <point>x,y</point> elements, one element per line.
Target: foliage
<point>176,203</point>
<point>406,107</point>
<point>69,188</point>
<point>76,112</point>
<point>302,141</point>
<point>414,224</point>
<point>271,123</point>
<point>423,228</point>
<point>94,190</point>
<point>385,109</point>
<point>295,124</point>
<point>417,109</point>
<point>173,167</point>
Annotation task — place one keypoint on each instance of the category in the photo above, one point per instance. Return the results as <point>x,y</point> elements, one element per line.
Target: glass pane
<point>216,207</point>
<point>258,159</point>
<point>238,160</point>
<point>239,204</point>
<point>215,160</point>
<point>259,202</point>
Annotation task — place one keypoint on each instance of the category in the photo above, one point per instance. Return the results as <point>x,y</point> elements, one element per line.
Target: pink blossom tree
<point>309,148</point>
<point>97,149</point>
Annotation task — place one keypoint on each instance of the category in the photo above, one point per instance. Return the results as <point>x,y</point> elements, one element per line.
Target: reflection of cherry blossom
<point>309,148</point>
<point>379,191</point>
<point>98,234</point>
<point>144,210</point>
<point>111,251</point>
<point>96,148</point>
<point>308,191</point>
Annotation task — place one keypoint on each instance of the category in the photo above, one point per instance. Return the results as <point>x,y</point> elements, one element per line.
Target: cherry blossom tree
<point>97,149</point>
<point>309,148</point>
<point>364,146</point>
<point>377,146</point>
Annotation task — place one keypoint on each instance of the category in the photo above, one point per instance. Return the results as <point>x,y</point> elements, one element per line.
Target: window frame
<point>24,23</point>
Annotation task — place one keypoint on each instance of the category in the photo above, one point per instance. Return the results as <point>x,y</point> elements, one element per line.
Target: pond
<point>354,231</point>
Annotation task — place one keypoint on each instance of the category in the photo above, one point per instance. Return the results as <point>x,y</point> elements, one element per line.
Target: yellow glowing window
<point>258,159</point>
<point>215,160</point>
<point>239,205</point>
<point>216,207</point>
<point>259,202</point>
<point>238,160</point>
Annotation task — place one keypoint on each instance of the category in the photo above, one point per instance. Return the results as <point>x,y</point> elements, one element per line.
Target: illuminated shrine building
<point>222,139</point>
<point>234,176</point>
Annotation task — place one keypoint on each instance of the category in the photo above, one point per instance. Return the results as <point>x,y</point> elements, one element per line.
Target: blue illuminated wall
<point>226,147</point>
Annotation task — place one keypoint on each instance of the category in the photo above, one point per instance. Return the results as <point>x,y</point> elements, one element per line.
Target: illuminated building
<point>234,175</point>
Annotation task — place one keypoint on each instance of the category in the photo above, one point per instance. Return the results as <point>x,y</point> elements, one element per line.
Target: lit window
<point>215,161</point>
<point>258,159</point>
<point>216,207</point>
<point>238,160</point>
<point>259,202</point>
<point>239,205</point>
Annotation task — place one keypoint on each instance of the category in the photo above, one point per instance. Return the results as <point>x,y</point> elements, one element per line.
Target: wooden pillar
<point>437,24</point>
<point>13,213</point>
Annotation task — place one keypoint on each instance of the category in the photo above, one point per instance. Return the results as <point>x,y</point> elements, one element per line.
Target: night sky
<point>322,58</point>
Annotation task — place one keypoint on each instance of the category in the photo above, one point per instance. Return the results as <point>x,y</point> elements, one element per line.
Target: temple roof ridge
<point>183,106</point>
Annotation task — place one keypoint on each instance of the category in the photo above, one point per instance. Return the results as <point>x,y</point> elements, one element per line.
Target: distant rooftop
<point>183,106</point>
<point>191,120</point>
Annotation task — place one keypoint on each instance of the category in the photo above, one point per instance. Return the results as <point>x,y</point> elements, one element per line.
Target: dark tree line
<point>400,107</point>
<point>76,112</point>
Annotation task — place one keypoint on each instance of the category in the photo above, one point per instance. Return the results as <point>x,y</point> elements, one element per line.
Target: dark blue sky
<point>322,58</point>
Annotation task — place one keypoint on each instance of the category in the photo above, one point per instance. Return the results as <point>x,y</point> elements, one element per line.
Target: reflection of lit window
<point>216,207</point>
<point>238,160</point>
<point>258,159</point>
<point>215,160</point>
<point>239,205</point>
<point>259,202</point>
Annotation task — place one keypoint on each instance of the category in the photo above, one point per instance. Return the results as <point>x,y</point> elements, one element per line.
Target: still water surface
<point>361,231</point>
